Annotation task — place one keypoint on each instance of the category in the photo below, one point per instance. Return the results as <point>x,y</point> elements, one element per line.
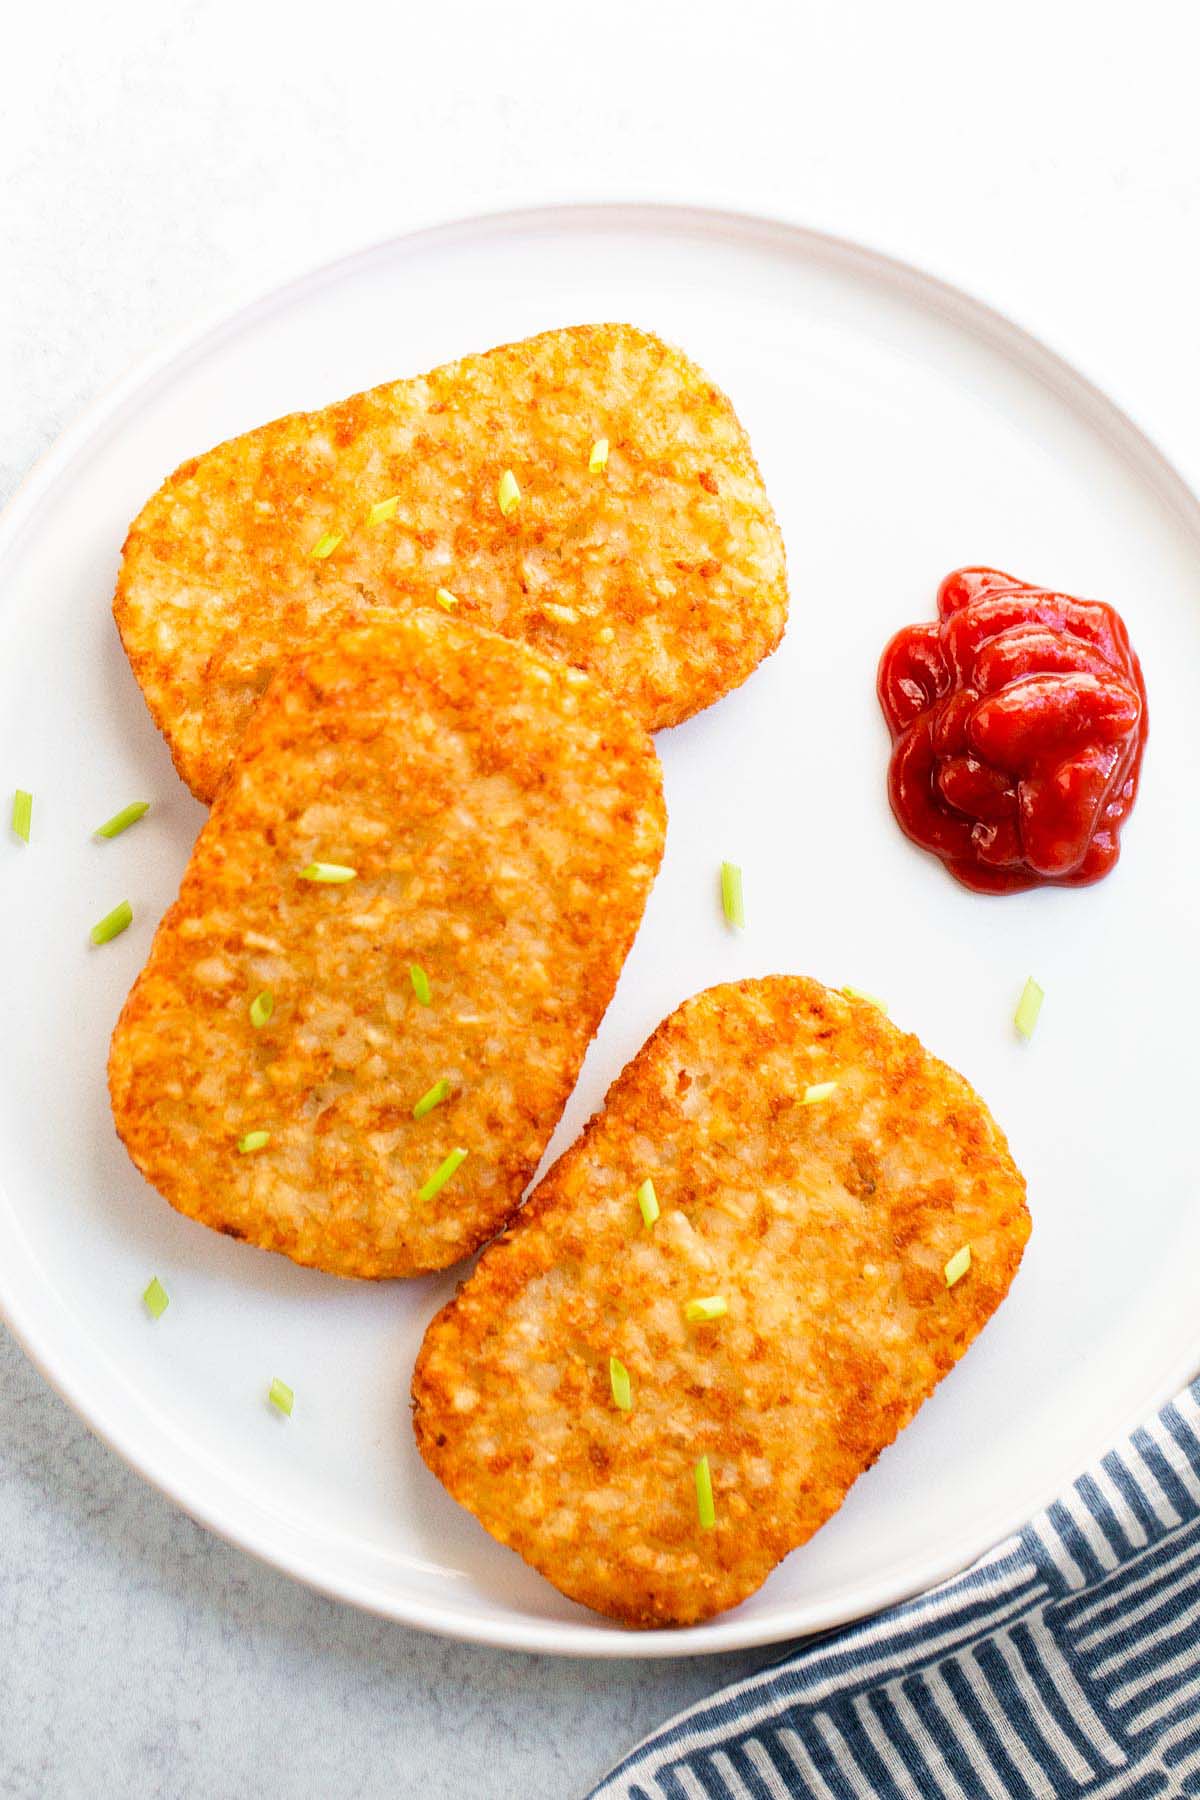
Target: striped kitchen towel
<point>1065,1663</point>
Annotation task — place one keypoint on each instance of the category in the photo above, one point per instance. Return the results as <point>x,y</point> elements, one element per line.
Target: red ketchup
<point>1018,723</point>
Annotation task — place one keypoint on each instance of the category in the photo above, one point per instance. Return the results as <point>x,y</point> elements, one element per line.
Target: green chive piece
<point>326,544</point>
<point>331,874</point>
<point>383,509</point>
<point>420,984</point>
<point>156,1299</point>
<point>647,1199</point>
<point>598,460</point>
<point>618,1381</point>
<point>446,600</point>
<point>508,494</point>
<point>441,1175</point>
<point>700,1312</point>
<point>281,1397</point>
<point>958,1265</point>
<point>253,1140</point>
<point>820,1090</point>
<point>437,1093</point>
<point>705,1510</point>
<point>121,821</point>
<point>112,924</point>
<point>853,993</point>
<point>22,814</point>
<point>1028,1008</point>
<point>731,894</point>
<point>261,1008</point>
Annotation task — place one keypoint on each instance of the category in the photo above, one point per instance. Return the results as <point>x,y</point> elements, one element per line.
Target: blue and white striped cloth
<point>1065,1663</point>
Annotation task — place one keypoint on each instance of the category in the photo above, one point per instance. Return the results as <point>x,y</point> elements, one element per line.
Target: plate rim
<point>1002,331</point>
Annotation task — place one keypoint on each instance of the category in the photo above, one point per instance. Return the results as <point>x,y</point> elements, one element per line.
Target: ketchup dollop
<point>1018,722</point>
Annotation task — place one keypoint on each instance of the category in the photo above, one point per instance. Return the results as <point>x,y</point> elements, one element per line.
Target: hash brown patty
<point>826,1229</point>
<point>503,817</point>
<point>662,574</point>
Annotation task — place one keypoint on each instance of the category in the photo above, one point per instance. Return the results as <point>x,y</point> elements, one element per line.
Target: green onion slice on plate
<point>853,993</point>
<point>1028,1008</point>
<point>732,902</point>
<point>156,1299</point>
<point>112,924</point>
<point>121,821</point>
<point>22,814</point>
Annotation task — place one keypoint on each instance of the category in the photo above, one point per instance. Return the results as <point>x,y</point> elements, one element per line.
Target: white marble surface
<point>157,160</point>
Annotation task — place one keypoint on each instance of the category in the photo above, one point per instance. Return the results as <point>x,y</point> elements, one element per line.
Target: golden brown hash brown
<point>662,574</point>
<point>825,1228</point>
<point>504,818</point>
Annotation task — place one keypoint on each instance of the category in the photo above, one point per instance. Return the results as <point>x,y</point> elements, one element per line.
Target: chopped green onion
<point>598,460</point>
<point>706,1511</point>
<point>853,993</point>
<point>112,924</point>
<point>820,1090</point>
<point>1028,1008</point>
<point>281,1396</point>
<point>618,1381</point>
<point>441,1175</point>
<point>332,874</point>
<point>647,1199</point>
<point>437,1093</point>
<point>326,544</point>
<point>121,821</point>
<point>508,494</point>
<point>731,894</point>
<point>254,1140</point>
<point>261,1008</point>
<point>564,615</point>
<point>446,600</point>
<point>958,1265</point>
<point>700,1312</point>
<point>420,984</point>
<point>383,509</point>
<point>22,814</point>
<point>156,1299</point>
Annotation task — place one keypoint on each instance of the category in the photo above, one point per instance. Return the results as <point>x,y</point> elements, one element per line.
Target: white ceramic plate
<point>902,429</point>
